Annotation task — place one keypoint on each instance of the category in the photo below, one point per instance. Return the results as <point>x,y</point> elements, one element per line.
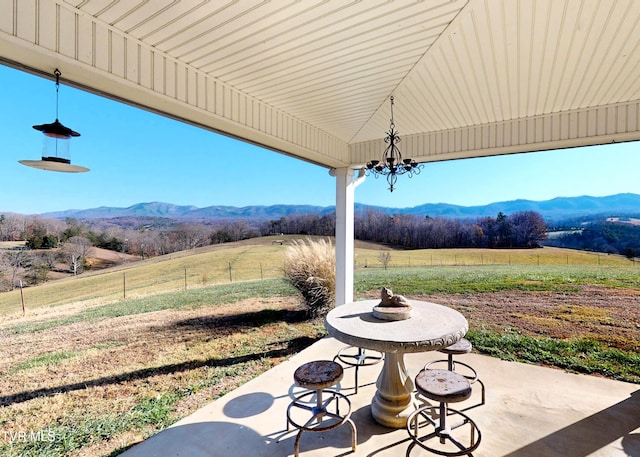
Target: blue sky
<point>152,158</point>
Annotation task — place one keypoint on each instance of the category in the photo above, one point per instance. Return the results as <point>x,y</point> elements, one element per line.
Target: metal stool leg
<point>443,431</point>
<point>443,387</point>
<point>319,411</point>
<point>360,359</point>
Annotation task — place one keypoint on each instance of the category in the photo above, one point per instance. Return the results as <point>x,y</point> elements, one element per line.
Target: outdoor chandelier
<point>55,147</point>
<point>391,163</point>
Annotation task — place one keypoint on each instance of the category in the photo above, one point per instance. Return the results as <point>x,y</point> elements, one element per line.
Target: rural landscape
<point>221,176</point>
<point>99,358</point>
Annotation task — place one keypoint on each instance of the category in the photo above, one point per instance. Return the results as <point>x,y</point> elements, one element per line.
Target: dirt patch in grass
<point>609,315</point>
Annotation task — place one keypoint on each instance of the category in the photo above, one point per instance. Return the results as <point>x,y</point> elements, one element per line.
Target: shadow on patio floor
<point>530,411</point>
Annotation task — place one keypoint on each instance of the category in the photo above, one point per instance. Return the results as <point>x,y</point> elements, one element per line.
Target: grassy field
<point>179,271</point>
<point>92,373</point>
<point>260,258</point>
<point>494,278</point>
<point>367,258</point>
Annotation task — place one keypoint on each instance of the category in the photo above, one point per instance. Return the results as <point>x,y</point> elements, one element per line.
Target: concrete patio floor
<point>530,411</point>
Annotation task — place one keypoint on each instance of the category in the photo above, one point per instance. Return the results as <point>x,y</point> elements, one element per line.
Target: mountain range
<point>553,210</point>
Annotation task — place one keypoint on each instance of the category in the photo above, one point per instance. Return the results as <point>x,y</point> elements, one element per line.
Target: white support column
<point>345,192</point>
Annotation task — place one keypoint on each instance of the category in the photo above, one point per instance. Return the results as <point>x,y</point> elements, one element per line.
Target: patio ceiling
<point>313,78</point>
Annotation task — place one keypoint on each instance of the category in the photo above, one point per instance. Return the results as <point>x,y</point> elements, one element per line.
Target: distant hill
<point>159,209</point>
<point>557,209</point>
<point>553,210</point>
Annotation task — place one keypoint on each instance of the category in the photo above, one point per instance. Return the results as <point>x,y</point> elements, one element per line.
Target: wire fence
<point>128,283</point>
<point>470,258</point>
<point>152,277</point>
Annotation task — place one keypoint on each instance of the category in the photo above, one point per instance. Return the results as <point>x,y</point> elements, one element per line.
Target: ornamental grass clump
<point>310,267</point>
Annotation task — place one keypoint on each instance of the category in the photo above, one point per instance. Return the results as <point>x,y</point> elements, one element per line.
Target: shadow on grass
<point>254,319</point>
<point>293,346</point>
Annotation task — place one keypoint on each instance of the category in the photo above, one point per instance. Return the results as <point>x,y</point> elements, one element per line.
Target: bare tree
<point>76,249</point>
<point>55,227</point>
<point>385,258</point>
<point>189,236</point>
<point>12,227</point>
<point>14,261</point>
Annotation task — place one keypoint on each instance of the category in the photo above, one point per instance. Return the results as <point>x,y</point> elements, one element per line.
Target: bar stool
<point>445,387</point>
<point>318,376</point>
<point>462,346</point>
<point>357,357</point>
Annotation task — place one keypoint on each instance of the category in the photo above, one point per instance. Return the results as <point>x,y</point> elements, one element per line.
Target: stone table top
<point>431,327</point>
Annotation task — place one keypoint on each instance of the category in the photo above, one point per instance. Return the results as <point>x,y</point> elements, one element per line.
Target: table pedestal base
<point>392,403</point>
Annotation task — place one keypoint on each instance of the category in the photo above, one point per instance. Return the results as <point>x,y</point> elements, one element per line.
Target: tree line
<point>56,245</point>
<point>602,236</point>
<point>524,229</point>
<point>53,244</point>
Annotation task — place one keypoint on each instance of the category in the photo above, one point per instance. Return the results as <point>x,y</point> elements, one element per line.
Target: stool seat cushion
<point>443,386</point>
<point>462,346</point>
<point>318,374</point>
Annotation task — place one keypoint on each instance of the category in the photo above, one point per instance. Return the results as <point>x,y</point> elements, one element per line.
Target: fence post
<point>124,285</point>
<point>230,278</point>
<point>22,298</point>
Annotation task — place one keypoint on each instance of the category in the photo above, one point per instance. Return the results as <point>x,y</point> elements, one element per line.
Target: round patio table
<point>430,327</point>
